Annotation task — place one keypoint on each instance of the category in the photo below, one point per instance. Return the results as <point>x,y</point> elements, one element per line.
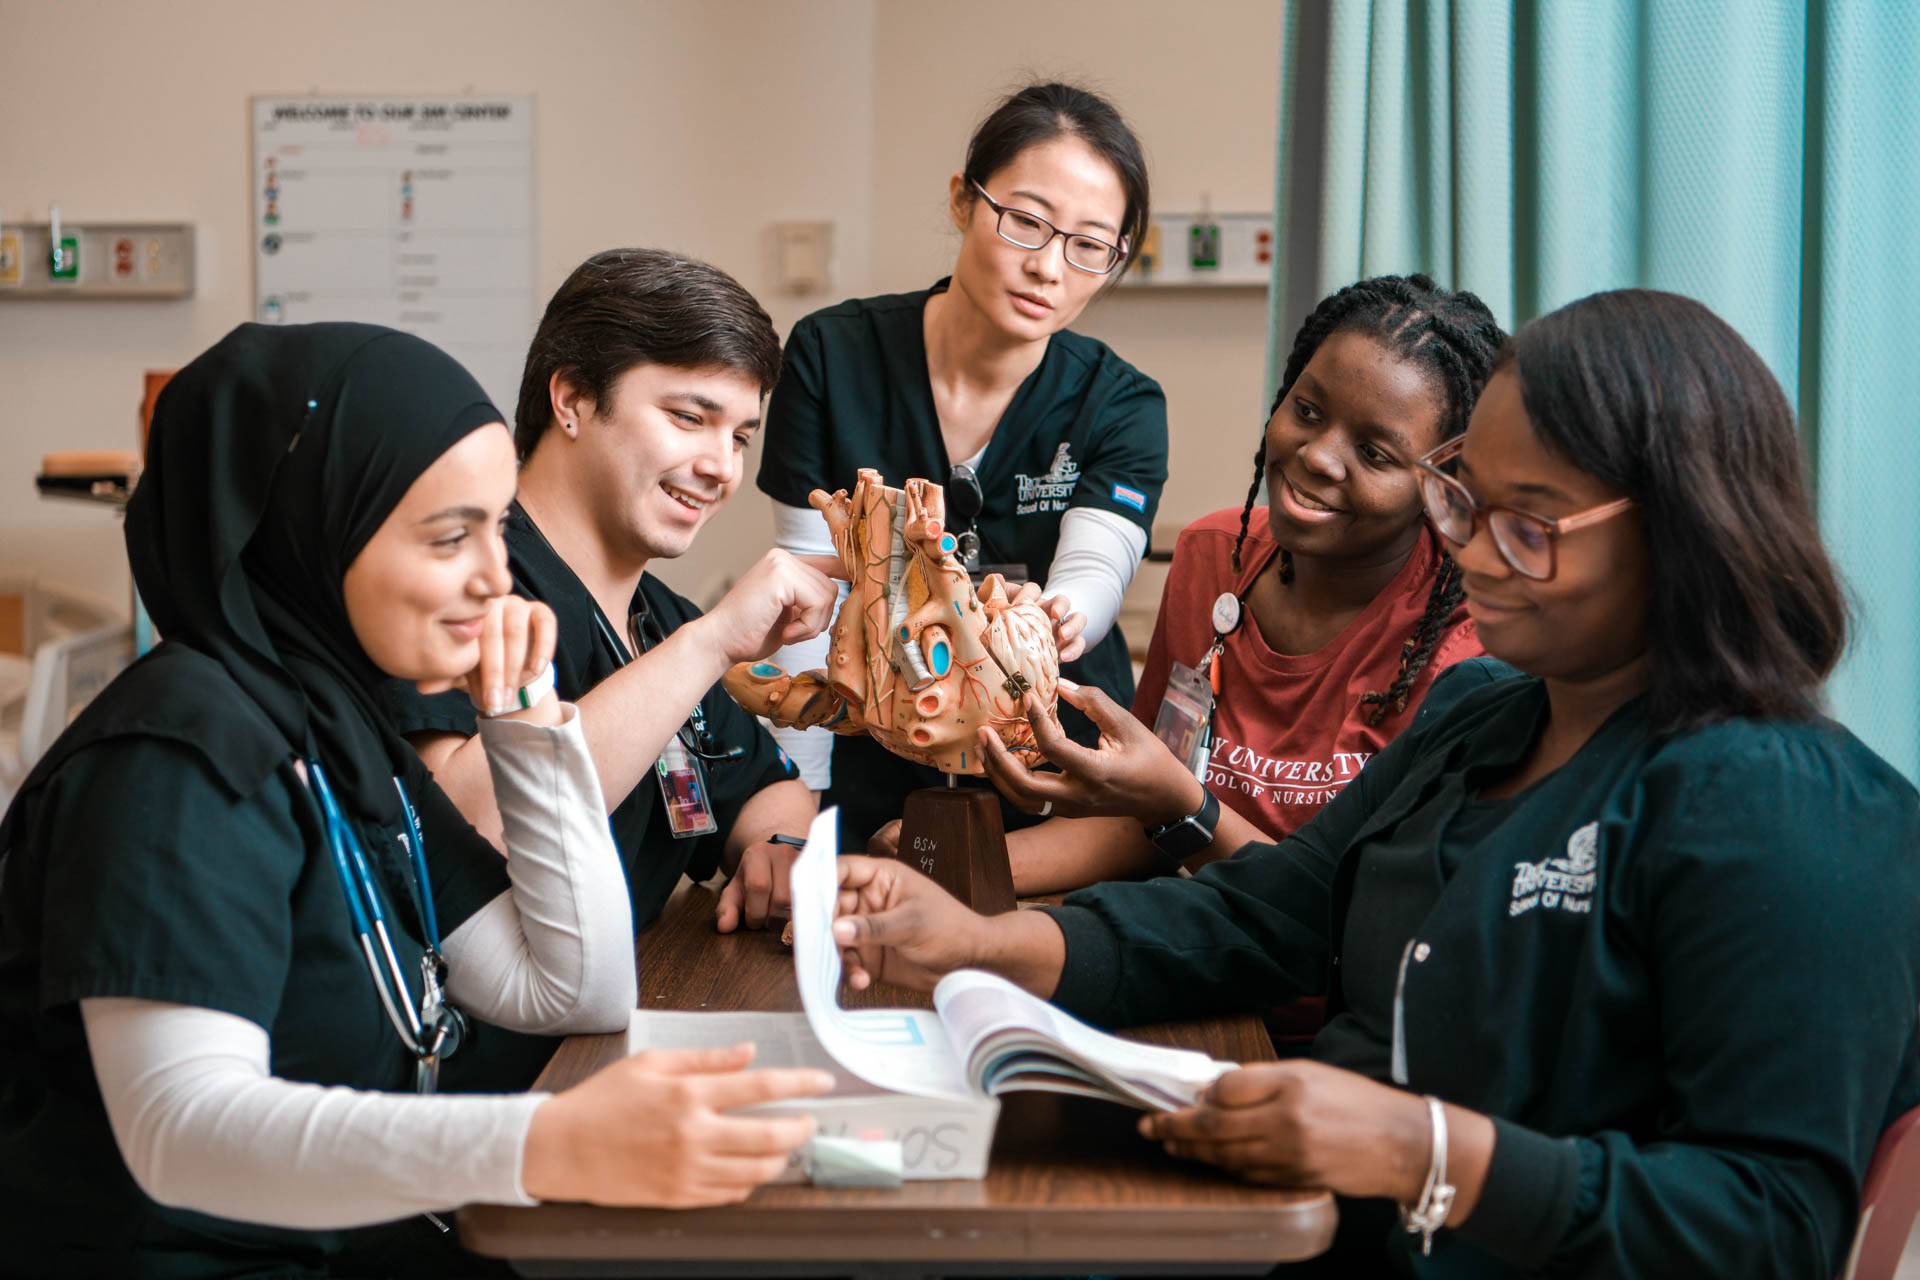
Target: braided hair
<point>1453,337</point>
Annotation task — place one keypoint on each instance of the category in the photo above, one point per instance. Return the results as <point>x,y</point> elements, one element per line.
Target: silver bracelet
<point>530,695</point>
<point>1436,1198</point>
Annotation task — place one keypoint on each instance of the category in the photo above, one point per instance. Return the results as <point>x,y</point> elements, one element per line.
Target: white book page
<point>901,1049</point>
<point>977,1006</point>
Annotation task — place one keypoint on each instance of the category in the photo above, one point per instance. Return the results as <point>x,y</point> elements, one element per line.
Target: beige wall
<point>693,124</point>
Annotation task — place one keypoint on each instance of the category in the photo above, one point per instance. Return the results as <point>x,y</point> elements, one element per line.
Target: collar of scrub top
<point>694,734</point>
<point>435,1030</point>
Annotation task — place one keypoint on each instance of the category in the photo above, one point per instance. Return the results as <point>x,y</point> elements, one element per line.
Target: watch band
<point>1184,837</point>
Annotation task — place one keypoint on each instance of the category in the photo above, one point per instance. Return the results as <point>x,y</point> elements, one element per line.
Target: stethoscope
<point>435,1031</point>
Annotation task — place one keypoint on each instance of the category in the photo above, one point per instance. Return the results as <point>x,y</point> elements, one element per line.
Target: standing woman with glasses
<point>1055,445</point>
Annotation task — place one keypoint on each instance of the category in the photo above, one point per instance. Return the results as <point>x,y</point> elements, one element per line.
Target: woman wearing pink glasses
<point>1053,449</point>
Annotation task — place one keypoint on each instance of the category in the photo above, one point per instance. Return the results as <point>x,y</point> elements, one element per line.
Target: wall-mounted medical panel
<point>1203,251</point>
<point>96,260</point>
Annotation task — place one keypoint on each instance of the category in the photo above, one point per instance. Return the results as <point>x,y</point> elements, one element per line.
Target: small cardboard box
<point>939,1137</point>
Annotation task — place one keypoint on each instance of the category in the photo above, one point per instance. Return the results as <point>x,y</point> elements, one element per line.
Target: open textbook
<point>984,1036</point>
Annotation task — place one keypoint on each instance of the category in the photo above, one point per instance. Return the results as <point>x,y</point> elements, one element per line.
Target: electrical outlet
<point>64,261</point>
<point>10,260</point>
<point>1203,244</point>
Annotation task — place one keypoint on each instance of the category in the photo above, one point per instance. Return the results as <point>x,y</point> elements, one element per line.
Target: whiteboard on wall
<point>416,213</point>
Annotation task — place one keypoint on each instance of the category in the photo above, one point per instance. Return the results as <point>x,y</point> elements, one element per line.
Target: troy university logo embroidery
<point>1562,883</point>
<point>1048,492</point>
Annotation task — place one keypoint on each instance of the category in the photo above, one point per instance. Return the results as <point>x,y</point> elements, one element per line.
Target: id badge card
<point>683,789</point>
<point>1186,717</point>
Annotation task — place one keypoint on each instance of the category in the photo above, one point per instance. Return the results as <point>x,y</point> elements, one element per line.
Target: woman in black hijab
<point>230,883</point>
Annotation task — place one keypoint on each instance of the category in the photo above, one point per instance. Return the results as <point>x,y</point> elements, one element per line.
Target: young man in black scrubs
<point>642,390</point>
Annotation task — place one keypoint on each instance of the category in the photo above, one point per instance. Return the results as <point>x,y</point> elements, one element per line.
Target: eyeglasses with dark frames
<point>1086,253</point>
<point>1524,540</point>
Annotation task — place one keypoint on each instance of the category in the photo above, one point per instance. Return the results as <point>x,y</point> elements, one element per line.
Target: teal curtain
<point>1763,157</point>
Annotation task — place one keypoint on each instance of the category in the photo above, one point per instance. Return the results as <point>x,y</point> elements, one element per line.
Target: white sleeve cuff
<point>803,531</point>
<point>1093,563</point>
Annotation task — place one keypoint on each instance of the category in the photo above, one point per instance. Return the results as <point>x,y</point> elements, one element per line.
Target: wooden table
<point>1071,1188</point>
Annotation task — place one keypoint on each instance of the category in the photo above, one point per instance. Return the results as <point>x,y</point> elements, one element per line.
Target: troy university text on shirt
<point>1051,491</point>
<point>1233,766</point>
<point>1563,883</point>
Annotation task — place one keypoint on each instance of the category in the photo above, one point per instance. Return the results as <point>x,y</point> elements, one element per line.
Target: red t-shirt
<point>1289,730</point>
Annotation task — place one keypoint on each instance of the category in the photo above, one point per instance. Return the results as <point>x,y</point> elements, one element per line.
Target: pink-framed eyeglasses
<point>1525,541</point>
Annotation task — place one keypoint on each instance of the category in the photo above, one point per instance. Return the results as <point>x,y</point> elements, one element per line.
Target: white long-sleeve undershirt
<point>554,955</point>
<point>1094,561</point>
<point>203,1124</point>
<point>803,531</point>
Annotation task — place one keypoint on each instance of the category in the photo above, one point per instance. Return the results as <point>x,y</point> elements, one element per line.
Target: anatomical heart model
<point>918,660</point>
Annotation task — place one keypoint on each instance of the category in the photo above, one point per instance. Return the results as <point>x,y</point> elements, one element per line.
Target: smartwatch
<point>1184,837</point>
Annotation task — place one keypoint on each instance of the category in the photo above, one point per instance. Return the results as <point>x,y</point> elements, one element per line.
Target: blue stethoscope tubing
<point>369,917</point>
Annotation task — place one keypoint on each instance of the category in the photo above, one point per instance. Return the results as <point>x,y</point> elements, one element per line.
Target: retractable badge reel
<point>965,499</point>
<point>1185,719</point>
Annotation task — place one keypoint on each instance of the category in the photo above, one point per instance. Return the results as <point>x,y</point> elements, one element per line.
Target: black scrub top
<point>654,860</point>
<point>1086,429</point>
<point>1680,974</point>
<point>193,892</point>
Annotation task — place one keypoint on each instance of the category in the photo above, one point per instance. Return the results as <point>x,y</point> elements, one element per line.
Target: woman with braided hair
<point>1337,607</point>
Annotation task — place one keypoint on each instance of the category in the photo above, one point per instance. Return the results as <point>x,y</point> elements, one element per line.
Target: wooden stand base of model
<point>954,836</point>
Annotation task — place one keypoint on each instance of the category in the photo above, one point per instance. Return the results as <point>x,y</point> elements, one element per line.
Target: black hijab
<point>273,459</point>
